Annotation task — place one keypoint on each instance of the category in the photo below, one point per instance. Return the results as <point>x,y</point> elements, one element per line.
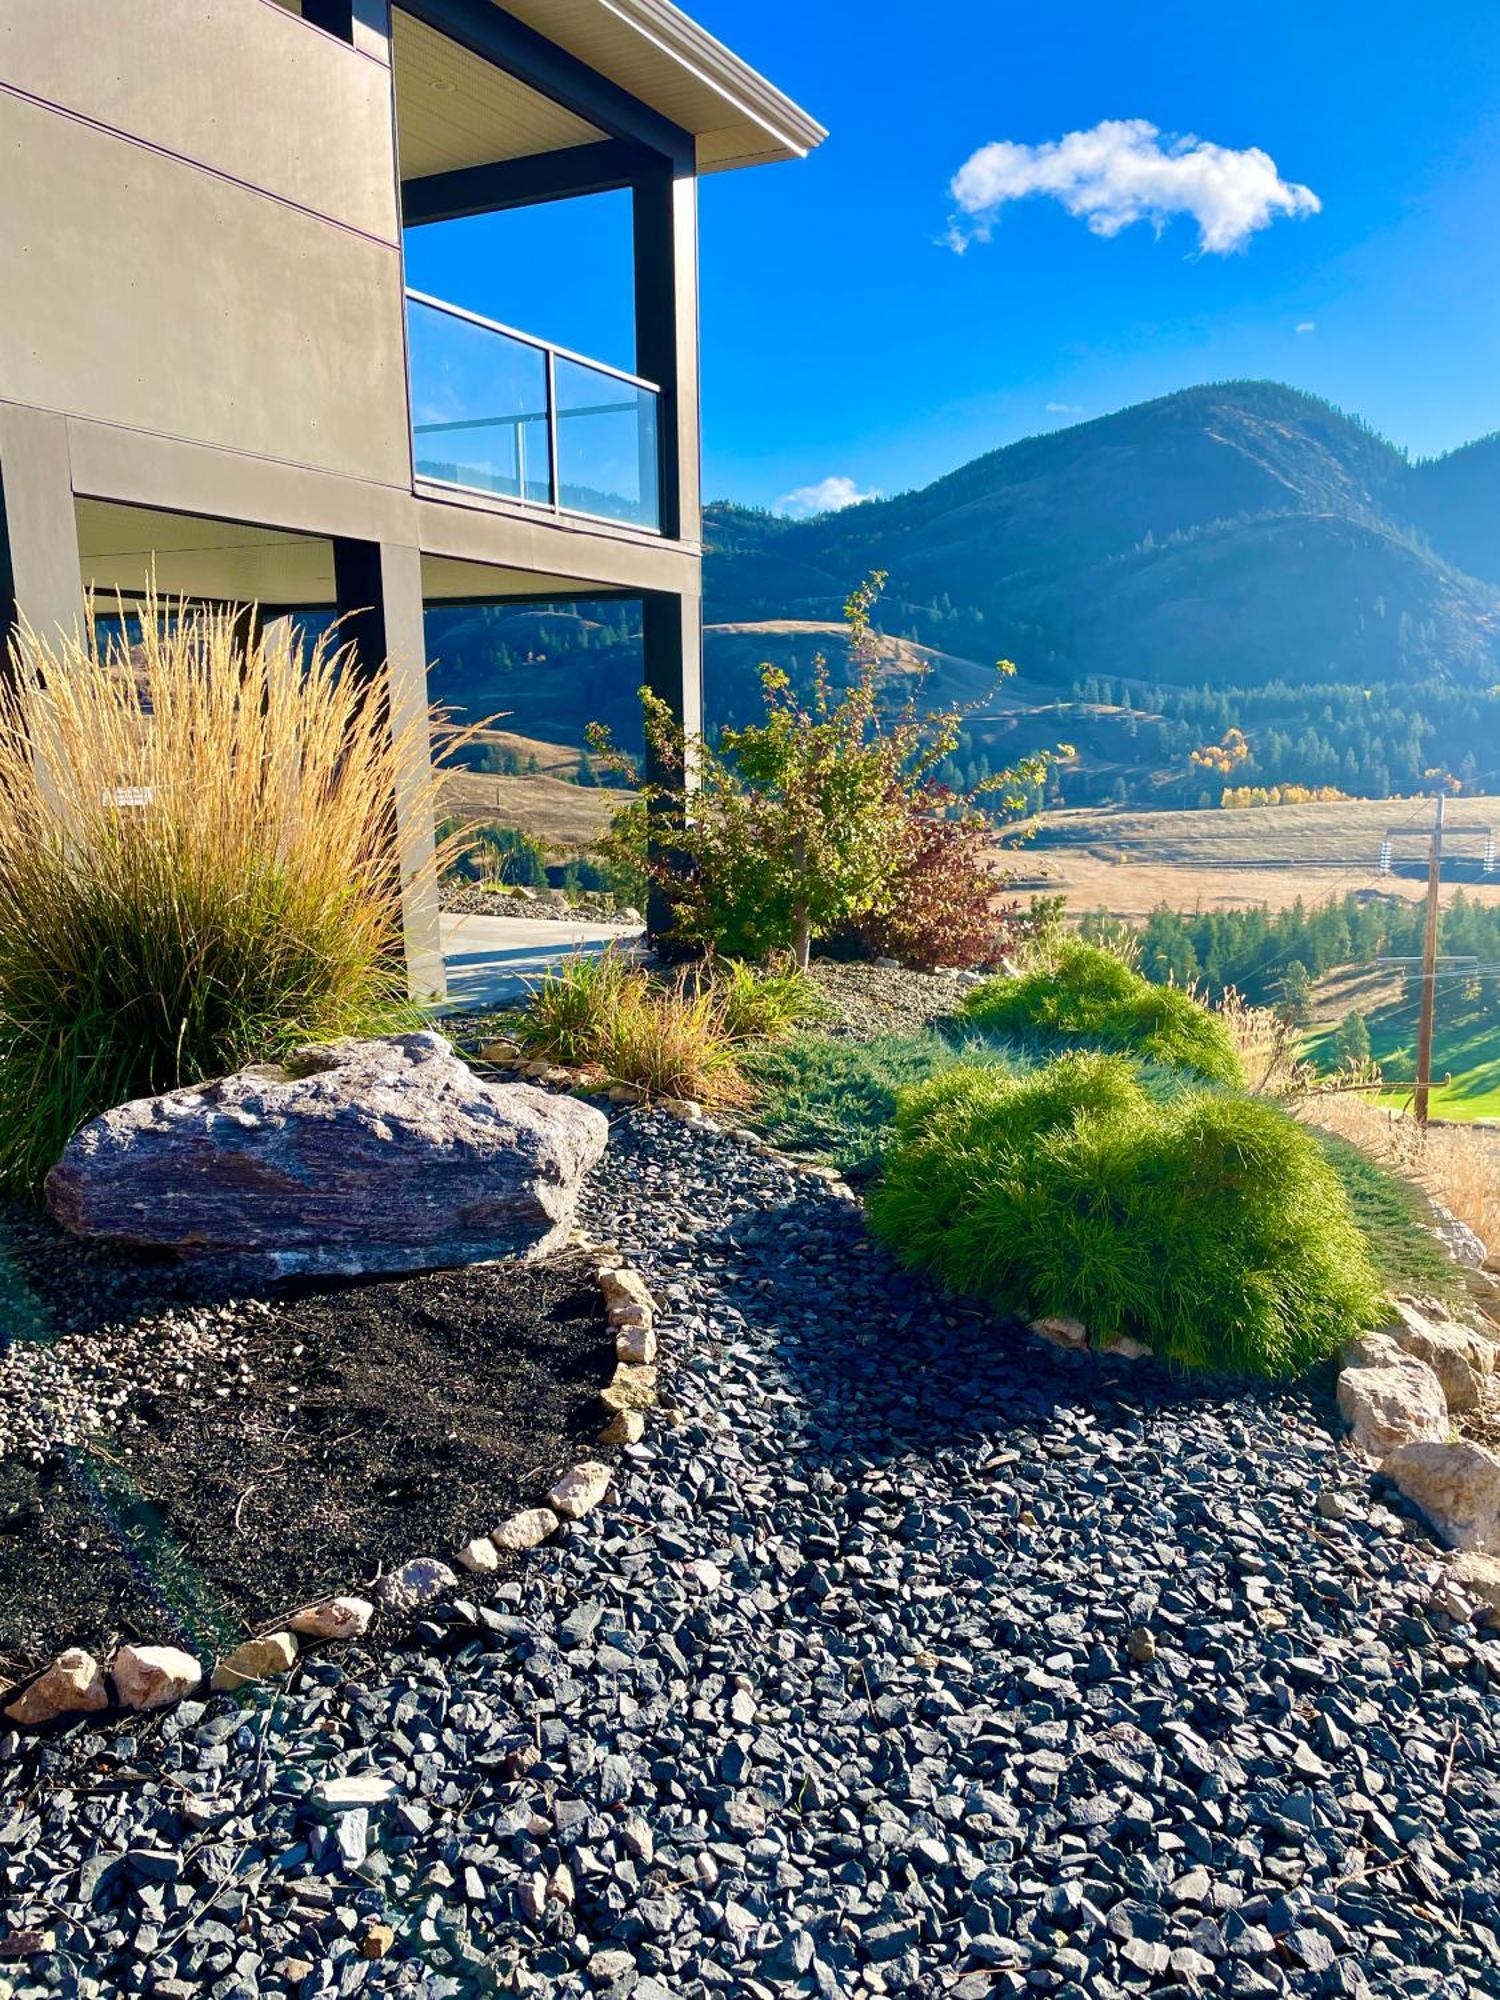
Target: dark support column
<point>666,333</point>
<point>672,632</point>
<point>40,572</point>
<point>378,586</point>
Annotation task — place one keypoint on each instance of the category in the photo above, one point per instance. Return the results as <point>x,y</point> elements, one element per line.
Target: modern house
<point>212,370</point>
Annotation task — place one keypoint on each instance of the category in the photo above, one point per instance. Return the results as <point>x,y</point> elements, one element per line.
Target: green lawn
<point>1466,1050</point>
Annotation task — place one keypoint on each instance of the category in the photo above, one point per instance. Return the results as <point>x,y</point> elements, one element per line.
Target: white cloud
<point>1124,170</point>
<point>824,496</point>
<point>1307,326</point>
<point>1065,409</point>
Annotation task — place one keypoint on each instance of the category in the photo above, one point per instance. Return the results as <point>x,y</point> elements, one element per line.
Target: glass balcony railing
<point>494,411</point>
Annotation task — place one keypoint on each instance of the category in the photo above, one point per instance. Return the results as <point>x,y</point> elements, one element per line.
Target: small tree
<point>1352,1044</point>
<point>1296,994</point>
<point>799,824</point>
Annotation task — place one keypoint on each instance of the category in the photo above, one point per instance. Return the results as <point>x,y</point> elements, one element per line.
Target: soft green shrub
<point>1209,1226</point>
<point>1083,994</point>
<point>835,1096</point>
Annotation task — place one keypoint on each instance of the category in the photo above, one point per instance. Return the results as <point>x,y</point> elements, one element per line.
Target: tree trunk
<point>801,939</point>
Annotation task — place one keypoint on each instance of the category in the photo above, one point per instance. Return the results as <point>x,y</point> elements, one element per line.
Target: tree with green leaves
<point>795,826</point>
<point>1352,1043</point>
<point>1295,994</point>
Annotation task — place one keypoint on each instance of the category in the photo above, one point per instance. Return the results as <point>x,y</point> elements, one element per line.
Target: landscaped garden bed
<point>325,1436</point>
<point>912,1652</point>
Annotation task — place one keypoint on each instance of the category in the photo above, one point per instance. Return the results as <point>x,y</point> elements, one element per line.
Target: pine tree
<point>1296,995</point>
<point>1352,1043</point>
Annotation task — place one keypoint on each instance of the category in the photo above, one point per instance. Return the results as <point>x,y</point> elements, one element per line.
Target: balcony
<point>499,413</point>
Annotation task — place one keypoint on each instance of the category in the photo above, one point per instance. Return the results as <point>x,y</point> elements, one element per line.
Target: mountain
<point>1231,534</point>
<point>1237,554</point>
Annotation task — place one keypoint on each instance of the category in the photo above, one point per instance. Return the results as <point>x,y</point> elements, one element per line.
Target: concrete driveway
<point>491,959</point>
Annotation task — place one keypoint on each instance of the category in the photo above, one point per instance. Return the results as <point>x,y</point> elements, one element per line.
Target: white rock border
<point>140,1677</point>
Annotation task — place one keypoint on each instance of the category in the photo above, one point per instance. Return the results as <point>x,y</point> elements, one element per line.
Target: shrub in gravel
<point>836,1097</point>
<point>569,1010</point>
<point>1208,1225</point>
<point>198,864</point>
<point>1081,993</point>
<point>670,1038</point>
<point>940,907</point>
<point>763,1003</point>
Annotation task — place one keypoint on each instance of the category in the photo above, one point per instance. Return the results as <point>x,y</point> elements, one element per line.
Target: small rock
<point>72,1685</point>
<point>635,1344</point>
<point>152,1676</point>
<point>479,1555</point>
<point>1445,1596</point>
<point>377,1941</point>
<point>360,1788</point>
<point>625,1427</point>
<point>1061,1331</point>
<point>256,1660</point>
<point>1462,1360</point>
<point>1478,1577</point>
<point>525,1530</point>
<point>25,1944</point>
<point>1122,1345</point>
<point>1140,1645</point>
<point>580,1489</point>
<point>631,1389</point>
<point>333,1618</point>
<point>626,1288</point>
<point>416,1582</point>
<point>1456,1485</point>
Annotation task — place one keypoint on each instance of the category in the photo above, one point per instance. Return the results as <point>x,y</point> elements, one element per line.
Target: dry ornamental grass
<point>198,862</point>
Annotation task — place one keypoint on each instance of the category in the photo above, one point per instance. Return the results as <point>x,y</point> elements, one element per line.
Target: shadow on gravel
<point>884,1365</point>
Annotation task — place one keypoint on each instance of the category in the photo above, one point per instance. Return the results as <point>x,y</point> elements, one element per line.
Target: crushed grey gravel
<point>836,1695</point>
<point>868,1000</point>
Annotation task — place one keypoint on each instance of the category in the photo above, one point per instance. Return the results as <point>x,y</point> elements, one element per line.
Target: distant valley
<point>1235,555</point>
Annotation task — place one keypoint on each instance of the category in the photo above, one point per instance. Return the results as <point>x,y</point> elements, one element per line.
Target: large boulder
<point>370,1156</point>
<point>1457,1486</point>
<point>1462,1359</point>
<point>1395,1403</point>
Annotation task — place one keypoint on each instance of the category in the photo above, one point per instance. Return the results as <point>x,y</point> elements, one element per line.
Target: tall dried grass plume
<point>200,863</point>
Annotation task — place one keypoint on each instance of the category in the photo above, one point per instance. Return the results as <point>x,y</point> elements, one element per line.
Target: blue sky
<point>843,337</point>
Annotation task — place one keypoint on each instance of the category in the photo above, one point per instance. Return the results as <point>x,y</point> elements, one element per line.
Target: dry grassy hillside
<point>1129,862</point>
<point>565,817</point>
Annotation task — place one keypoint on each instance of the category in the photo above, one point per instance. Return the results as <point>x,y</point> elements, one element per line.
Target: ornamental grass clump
<point>669,1038</point>
<point>764,1003</point>
<point>198,864</point>
<point>1209,1226</point>
<point>1083,994</point>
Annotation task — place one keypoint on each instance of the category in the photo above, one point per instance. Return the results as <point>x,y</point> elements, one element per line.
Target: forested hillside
<point>1233,557</point>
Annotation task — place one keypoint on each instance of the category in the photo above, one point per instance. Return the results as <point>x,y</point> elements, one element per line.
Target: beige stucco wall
<point>199,235</point>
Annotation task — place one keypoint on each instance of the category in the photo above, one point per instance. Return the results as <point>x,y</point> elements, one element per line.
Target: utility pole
<point>1429,964</point>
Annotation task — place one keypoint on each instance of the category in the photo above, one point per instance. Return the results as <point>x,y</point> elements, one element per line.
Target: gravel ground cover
<point>870,1000</point>
<point>477,902</point>
<point>330,1431</point>
<point>909,1657</point>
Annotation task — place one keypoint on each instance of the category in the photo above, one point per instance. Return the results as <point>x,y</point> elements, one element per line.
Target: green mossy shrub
<point>1083,994</point>
<point>1209,1226</point>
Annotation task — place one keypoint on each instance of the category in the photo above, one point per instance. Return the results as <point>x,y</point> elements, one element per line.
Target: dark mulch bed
<point>382,1419</point>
